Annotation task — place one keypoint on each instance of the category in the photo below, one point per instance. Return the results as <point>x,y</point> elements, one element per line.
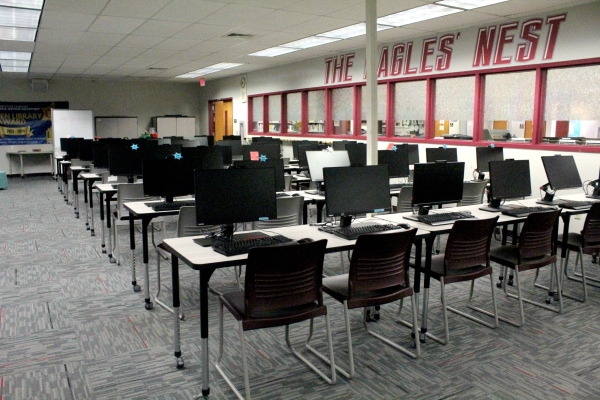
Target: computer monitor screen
<point>302,149</point>
<point>277,165</point>
<point>487,154</point>
<point>63,144</point>
<point>341,144</point>
<point>85,150</point>
<point>204,157</point>
<point>71,146</point>
<point>295,145</point>
<point>357,153</point>
<point>438,183</point>
<point>124,161</point>
<point>100,153</point>
<point>509,179</point>
<point>227,155</point>
<point>396,161</point>
<point>356,190</point>
<point>256,152</point>
<point>317,160</point>
<point>229,196</point>
<point>434,154</point>
<point>168,178</point>
<point>163,151</point>
<point>413,153</point>
<point>236,145</point>
<point>561,172</point>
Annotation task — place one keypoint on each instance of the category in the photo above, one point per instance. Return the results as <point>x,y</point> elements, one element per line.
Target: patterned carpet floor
<point>71,327</point>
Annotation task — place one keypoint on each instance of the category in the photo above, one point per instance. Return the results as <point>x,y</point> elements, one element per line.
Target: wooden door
<point>529,129</point>
<point>228,117</point>
<point>219,121</point>
<point>442,128</point>
<point>503,125</point>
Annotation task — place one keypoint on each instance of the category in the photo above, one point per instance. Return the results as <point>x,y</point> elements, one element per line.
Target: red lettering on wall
<point>484,46</point>
<point>554,23</point>
<point>526,51</point>
<point>443,61</point>
<point>338,68</point>
<point>327,69</point>
<point>383,63</point>
<point>397,59</point>
<point>407,69</point>
<point>349,63</point>
<point>504,38</point>
<point>428,48</point>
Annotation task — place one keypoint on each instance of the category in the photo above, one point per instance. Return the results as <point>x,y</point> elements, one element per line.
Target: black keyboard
<point>576,205</point>
<point>353,232</point>
<point>176,205</point>
<point>242,246</point>
<point>525,211</point>
<point>399,185</point>
<point>442,218</point>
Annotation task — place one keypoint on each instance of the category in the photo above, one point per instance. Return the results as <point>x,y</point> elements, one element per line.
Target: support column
<point>371,88</point>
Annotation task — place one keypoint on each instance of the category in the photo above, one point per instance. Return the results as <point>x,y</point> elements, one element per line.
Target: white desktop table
<point>29,153</point>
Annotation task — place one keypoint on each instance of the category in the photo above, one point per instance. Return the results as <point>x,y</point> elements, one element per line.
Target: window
<point>316,111</point>
<point>275,113</point>
<point>257,114</point>
<point>294,112</point>
<point>572,111</point>
<point>342,111</point>
<point>381,109</point>
<point>454,107</point>
<point>410,104</point>
<point>508,110</point>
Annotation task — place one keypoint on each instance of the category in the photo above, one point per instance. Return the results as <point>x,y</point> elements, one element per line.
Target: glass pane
<point>508,111</point>
<point>343,110</point>
<point>257,114</point>
<point>294,112</point>
<point>410,103</point>
<point>275,113</point>
<point>381,109</point>
<point>316,111</point>
<point>454,107</point>
<point>572,113</point>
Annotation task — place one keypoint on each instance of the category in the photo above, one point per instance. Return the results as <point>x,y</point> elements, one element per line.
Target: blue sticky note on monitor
<point>379,210</point>
<point>263,219</point>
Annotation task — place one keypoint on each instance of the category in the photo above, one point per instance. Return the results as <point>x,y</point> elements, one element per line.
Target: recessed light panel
<point>14,63</point>
<point>22,34</point>
<point>19,17</point>
<point>418,14</point>
<point>273,52</point>
<point>351,31</point>
<point>222,66</point>
<point>35,4</point>
<point>469,4</point>
<point>308,42</point>
<point>15,69</point>
<point>187,76</point>
<point>15,55</point>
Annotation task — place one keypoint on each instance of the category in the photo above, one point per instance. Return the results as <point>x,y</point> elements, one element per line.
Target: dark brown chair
<point>378,275</point>
<point>588,239</point>
<point>535,250</point>
<point>467,258</point>
<point>283,287</point>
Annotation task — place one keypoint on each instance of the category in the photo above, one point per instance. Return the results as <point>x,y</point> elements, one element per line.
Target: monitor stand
<point>227,235</point>
<point>494,206</point>
<point>548,199</point>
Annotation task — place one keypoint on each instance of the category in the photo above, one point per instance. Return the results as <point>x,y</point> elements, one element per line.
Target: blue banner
<point>27,123</point>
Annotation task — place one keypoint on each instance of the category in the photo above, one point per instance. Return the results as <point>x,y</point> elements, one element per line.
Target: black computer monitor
<point>125,162</point>
<point>356,190</point>
<point>396,161</point>
<point>229,196</point>
<point>484,156</point>
<point>434,154</point>
<point>193,142</point>
<point>295,145</point>
<point>509,179</point>
<point>413,153</point>
<point>303,148</point>
<point>357,153</point>
<point>595,184</point>
<point>255,152</point>
<point>341,144</point>
<point>100,153</point>
<point>318,160</point>
<point>231,137</point>
<point>63,144</point>
<point>163,151</point>
<point>277,165</point>
<point>235,144</point>
<point>168,178</point>
<point>562,174</point>
<point>227,155</point>
<point>85,150</point>
<point>204,157</point>
<point>437,183</point>
<point>71,146</point>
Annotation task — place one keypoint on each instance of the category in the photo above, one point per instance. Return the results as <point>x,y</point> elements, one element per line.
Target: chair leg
<point>478,309</point>
<point>156,296</point>
<point>563,269</point>
<point>578,277</point>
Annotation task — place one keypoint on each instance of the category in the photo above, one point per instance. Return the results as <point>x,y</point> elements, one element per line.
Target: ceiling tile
<point>144,42</point>
<point>78,59</point>
<point>275,4</point>
<point>98,70</point>
<point>319,25</point>
<point>454,21</point>
<point>52,48</point>
<point>103,39</point>
<point>189,55</point>
<point>42,69</point>
<point>134,8</point>
<point>278,20</point>
<point>146,72</point>
<point>384,7</point>
<point>45,64</point>
<point>187,10</point>
<point>13,45</point>
<point>177,44</point>
<point>58,37</point>
<point>163,29</point>
<point>75,6</point>
<point>125,52</point>
<point>320,7</point>
<point>71,70</point>
<point>169,63</point>
<point>89,50</point>
<point>160,54</point>
<point>207,47</point>
<point>236,14</point>
<point>142,62</point>
<point>66,21</point>
<point>115,25</point>
<point>202,31</point>
<point>116,61</point>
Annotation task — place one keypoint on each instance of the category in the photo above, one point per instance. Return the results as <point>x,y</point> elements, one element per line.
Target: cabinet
<point>175,126</point>
<point>116,127</point>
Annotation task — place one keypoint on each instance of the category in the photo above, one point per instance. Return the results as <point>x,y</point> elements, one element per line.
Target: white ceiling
<point>160,39</point>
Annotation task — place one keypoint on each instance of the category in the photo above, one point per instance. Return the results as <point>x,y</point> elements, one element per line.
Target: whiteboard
<point>67,123</point>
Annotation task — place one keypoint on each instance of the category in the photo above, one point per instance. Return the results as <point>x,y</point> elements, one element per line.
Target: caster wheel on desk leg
<point>376,315</point>
<point>149,306</point>
<point>112,260</point>
<point>92,234</point>
<point>549,299</point>
<point>556,296</point>
<point>510,281</point>
<point>137,288</point>
<point>103,250</point>
<point>422,338</point>
<point>180,363</point>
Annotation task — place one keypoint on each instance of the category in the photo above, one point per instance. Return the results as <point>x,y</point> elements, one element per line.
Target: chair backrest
<point>288,182</point>
<point>537,239</point>
<point>284,276</point>
<point>289,213</point>
<point>186,224</point>
<point>128,193</point>
<point>380,261</point>
<point>591,228</point>
<point>404,199</point>
<point>472,193</point>
<point>469,244</point>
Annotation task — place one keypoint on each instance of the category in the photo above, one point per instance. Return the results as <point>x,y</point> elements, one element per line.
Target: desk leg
<point>87,209</point>
<point>52,165</point>
<point>91,197</point>
<point>108,228</point>
<point>65,186</point>
<point>145,222</point>
<point>205,275</point>
<point>102,222</point>
<point>428,249</point>
<point>136,287</point>
<point>305,213</point>
<point>176,305</point>
<point>22,171</point>
<point>320,206</point>
<point>9,164</point>
<point>417,282</point>
<point>74,175</point>
<point>57,177</point>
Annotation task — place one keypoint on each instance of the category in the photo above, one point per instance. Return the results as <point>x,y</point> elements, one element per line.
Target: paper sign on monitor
<point>254,156</point>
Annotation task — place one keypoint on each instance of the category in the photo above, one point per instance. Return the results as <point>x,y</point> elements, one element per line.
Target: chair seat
<point>337,287</point>
<point>508,255</point>
<point>286,316</point>
<point>455,275</point>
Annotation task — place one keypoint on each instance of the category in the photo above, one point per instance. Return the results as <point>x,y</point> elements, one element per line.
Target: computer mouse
<point>296,195</point>
<point>304,240</point>
<point>404,226</point>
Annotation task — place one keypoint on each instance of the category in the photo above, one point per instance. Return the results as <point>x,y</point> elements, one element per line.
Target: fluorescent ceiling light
<point>36,4</point>
<point>351,31</point>
<point>308,42</point>
<point>187,76</point>
<point>273,52</point>
<point>209,70</point>
<point>469,4</point>
<point>14,63</point>
<point>418,14</point>
<point>15,69</point>
<point>15,55</point>
<point>19,17</point>
<point>22,34</point>
<point>222,66</point>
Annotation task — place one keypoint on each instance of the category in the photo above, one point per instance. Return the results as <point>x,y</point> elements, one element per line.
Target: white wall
<point>105,98</point>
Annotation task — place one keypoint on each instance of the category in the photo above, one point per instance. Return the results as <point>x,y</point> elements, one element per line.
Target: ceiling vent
<point>39,85</point>
<point>242,35</point>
